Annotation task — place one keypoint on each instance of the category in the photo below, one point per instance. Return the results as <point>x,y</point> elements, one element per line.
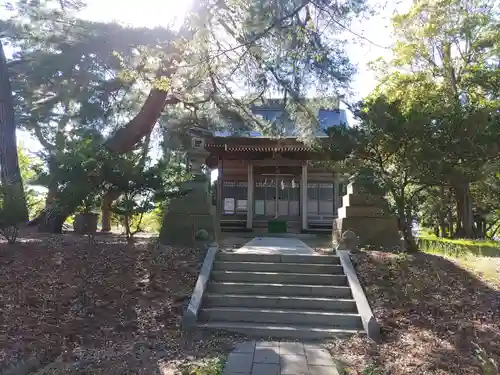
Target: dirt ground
<point>437,318</point>
<point>108,308</point>
<point>114,308</point>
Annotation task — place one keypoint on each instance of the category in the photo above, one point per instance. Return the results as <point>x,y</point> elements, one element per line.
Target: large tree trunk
<point>141,125</point>
<point>405,219</point>
<point>465,227</point>
<point>450,223</point>
<point>442,213</point>
<point>107,201</point>
<point>10,174</point>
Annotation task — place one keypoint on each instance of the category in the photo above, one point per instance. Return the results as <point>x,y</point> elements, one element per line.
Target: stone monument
<point>192,212</point>
<point>365,212</point>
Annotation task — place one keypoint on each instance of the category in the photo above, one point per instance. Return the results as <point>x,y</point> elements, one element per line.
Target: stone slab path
<point>275,245</point>
<point>279,358</point>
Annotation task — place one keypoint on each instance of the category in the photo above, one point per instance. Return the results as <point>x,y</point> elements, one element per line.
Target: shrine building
<point>263,180</point>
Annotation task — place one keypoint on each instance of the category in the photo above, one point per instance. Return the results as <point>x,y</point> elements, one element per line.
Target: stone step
<point>277,258</point>
<point>284,302</point>
<point>280,330</point>
<point>279,267</point>
<point>272,289</point>
<point>275,316</point>
<point>283,278</point>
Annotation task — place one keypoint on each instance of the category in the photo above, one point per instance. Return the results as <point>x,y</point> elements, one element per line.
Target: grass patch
<point>458,247</point>
<point>480,257</point>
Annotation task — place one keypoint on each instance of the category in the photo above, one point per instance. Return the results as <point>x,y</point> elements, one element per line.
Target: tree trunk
<point>442,213</point>
<point>107,201</point>
<point>10,174</point>
<point>465,227</point>
<point>404,214</point>
<point>50,220</point>
<point>126,220</point>
<point>141,125</point>
<point>450,223</point>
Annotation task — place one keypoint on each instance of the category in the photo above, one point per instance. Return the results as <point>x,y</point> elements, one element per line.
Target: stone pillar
<point>250,186</point>
<point>366,213</point>
<point>303,196</point>
<point>193,211</point>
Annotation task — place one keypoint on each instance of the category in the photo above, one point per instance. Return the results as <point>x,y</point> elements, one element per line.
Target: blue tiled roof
<point>326,117</point>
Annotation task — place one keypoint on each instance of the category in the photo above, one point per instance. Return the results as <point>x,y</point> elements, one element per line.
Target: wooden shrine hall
<point>263,180</point>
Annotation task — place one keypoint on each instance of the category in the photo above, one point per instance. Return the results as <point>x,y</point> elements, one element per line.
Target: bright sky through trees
<point>375,32</point>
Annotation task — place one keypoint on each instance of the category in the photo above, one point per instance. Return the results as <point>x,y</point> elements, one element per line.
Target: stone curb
<point>191,314</point>
<point>370,324</point>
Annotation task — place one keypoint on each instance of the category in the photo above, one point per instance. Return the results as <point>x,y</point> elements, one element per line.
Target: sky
<point>376,30</point>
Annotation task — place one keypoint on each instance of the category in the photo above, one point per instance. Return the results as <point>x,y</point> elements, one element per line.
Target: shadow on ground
<point>432,313</point>
<point>109,308</point>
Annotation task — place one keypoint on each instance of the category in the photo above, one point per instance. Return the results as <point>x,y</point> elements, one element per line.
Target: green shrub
<point>201,234</point>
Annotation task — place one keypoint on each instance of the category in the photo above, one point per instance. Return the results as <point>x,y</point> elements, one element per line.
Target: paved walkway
<point>279,358</point>
<point>275,245</point>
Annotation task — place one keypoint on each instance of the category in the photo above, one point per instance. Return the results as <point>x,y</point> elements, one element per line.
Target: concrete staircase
<point>291,296</point>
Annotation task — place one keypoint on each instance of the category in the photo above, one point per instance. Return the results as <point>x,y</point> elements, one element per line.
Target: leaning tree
<point>227,56</point>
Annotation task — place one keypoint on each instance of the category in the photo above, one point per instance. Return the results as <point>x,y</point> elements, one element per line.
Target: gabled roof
<point>326,118</point>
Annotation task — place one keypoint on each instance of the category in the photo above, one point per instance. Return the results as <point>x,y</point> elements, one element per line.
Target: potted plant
<point>87,219</point>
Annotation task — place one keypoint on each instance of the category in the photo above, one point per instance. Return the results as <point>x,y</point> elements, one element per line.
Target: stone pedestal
<point>365,212</point>
<point>193,211</point>
<point>189,213</point>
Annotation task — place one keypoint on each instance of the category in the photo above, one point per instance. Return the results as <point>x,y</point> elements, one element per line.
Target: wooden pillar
<point>219,186</point>
<point>337,196</point>
<point>250,186</point>
<point>303,196</point>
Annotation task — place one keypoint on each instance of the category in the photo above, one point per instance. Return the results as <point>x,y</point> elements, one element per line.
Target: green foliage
<point>73,72</point>
<point>488,364</point>
<point>76,171</point>
<point>430,131</point>
<point>140,188</point>
<point>208,367</point>
<point>151,221</point>
<point>30,166</point>
<point>371,369</point>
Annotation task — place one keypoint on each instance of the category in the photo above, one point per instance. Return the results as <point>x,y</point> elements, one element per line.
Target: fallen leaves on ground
<point>69,307</point>
<point>432,314</point>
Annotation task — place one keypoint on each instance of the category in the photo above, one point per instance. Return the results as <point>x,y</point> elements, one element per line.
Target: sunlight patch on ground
<point>487,269</point>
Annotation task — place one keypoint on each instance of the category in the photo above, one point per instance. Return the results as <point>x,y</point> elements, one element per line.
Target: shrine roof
<point>326,118</point>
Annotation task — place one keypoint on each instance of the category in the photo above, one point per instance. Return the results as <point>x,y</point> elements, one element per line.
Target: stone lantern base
<point>190,213</point>
<point>366,213</point>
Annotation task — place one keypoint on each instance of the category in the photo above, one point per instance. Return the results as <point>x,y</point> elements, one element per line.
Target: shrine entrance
<point>277,192</point>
